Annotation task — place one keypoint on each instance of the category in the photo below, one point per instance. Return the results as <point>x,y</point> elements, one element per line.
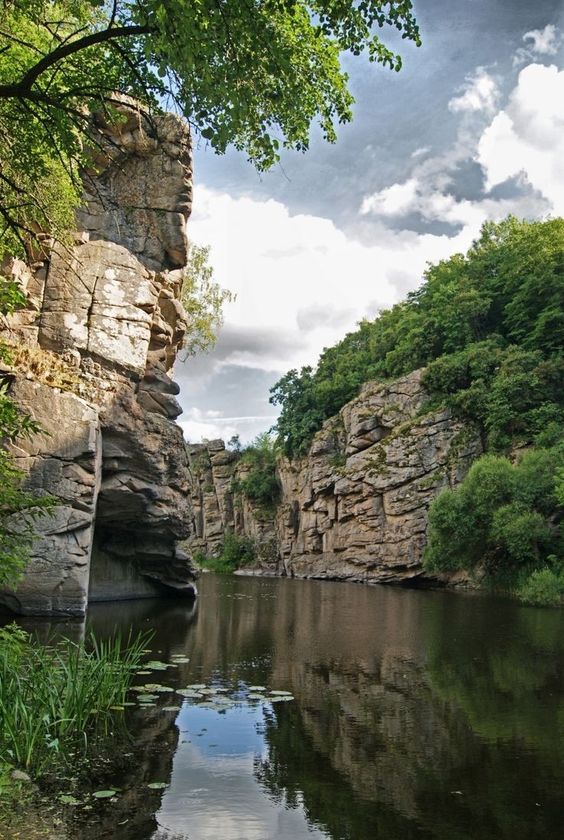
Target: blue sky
<point>472,128</point>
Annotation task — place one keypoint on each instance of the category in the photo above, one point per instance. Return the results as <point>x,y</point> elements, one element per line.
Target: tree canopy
<point>254,74</point>
<point>488,326</point>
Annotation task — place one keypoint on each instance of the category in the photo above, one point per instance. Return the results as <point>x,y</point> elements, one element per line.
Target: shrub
<point>256,478</point>
<point>236,551</point>
<point>504,517</point>
<point>544,587</point>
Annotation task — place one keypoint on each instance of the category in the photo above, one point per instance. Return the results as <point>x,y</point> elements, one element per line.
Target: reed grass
<point>54,697</point>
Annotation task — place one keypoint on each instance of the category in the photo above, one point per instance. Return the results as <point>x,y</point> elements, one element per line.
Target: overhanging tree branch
<point>22,88</point>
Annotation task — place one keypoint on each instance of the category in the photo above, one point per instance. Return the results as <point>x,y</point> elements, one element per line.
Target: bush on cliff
<point>259,482</point>
<point>507,520</point>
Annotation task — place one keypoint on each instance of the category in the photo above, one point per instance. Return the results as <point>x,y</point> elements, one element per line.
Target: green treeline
<point>488,328</point>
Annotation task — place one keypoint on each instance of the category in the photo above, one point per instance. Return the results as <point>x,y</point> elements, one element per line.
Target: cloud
<point>480,93</point>
<point>526,139</point>
<point>544,41</point>
<point>540,42</point>
<point>392,201</point>
<point>321,315</point>
<point>198,425</point>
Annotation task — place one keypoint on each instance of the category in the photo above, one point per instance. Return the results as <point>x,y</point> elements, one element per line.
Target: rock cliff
<point>355,507</point>
<point>93,353</point>
<point>217,509</point>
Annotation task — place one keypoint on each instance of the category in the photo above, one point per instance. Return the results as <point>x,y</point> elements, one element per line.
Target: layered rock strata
<point>216,509</point>
<point>355,507</point>
<point>109,307</point>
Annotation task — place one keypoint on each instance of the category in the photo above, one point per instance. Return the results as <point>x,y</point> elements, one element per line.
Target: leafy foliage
<point>236,551</point>
<point>488,326</point>
<point>257,479</point>
<point>505,518</point>
<point>254,75</point>
<point>203,300</point>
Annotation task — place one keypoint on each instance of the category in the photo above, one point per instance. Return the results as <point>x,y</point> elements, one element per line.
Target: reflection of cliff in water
<point>416,714</point>
<point>424,715</point>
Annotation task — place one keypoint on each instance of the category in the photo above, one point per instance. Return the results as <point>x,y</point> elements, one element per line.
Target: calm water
<point>416,715</point>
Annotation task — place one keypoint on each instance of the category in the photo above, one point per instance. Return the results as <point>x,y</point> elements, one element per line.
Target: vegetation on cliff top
<point>489,327</point>
<point>254,75</point>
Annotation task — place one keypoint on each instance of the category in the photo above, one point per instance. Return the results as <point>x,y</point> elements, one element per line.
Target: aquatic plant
<point>53,697</point>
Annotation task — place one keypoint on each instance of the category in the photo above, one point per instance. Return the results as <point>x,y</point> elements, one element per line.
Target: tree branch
<point>23,87</point>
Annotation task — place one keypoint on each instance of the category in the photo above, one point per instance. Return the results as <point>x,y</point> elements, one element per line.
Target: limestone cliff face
<point>355,507</point>
<point>216,509</point>
<point>108,307</point>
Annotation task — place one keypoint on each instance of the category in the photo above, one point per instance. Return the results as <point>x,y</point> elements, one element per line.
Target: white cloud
<point>391,201</point>
<point>544,41</point>
<point>480,93</point>
<point>527,138</point>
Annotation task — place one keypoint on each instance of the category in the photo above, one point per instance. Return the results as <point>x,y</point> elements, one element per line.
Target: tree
<point>253,74</point>
<point>203,300</point>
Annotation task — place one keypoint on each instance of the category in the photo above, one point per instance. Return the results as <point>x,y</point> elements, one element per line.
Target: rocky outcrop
<point>217,509</point>
<point>109,307</point>
<point>355,507</point>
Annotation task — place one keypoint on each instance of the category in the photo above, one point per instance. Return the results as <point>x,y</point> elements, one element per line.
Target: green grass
<point>54,697</point>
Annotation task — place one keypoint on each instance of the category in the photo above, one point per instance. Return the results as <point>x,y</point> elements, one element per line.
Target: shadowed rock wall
<point>109,307</point>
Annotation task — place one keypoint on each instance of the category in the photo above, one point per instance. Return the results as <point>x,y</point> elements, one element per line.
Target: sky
<point>471,129</point>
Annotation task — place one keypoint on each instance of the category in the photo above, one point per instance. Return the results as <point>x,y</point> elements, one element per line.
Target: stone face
<point>216,509</point>
<point>110,306</point>
<point>66,462</point>
<point>355,507</point>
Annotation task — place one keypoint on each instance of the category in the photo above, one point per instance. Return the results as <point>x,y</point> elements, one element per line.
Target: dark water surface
<point>416,715</point>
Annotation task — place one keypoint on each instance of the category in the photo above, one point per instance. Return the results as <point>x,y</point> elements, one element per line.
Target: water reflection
<point>416,715</point>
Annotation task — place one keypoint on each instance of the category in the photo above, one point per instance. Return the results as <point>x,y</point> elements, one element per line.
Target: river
<point>416,714</point>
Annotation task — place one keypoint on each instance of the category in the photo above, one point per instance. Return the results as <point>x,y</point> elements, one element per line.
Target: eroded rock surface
<point>355,507</point>
<point>110,306</point>
<point>216,509</point>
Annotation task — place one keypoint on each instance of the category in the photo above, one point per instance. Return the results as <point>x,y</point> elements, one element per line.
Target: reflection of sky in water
<point>213,794</point>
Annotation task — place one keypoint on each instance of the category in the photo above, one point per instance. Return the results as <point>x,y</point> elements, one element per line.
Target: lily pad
<point>147,698</point>
<point>104,794</point>
<point>68,799</point>
<point>254,696</point>
<point>283,699</point>
<point>171,708</point>
<point>257,688</point>
<point>116,708</point>
<point>282,693</point>
<point>156,785</point>
<point>155,665</point>
<point>157,687</point>
<point>189,692</point>
<point>142,673</point>
<point>196,686</point>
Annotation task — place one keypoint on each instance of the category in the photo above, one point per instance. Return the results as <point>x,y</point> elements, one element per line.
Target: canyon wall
<point>355,507</point>
<point>91,361</point>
